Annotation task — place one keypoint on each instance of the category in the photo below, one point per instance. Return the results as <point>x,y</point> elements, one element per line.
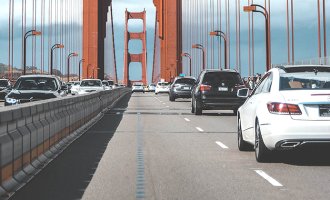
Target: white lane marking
<point>269,178</point>
<point>199,129</point>
<point>117,113</point>
<point>188,120</point>
<point>164,103</point>
<point>167,106</point>
<point>221,145</point>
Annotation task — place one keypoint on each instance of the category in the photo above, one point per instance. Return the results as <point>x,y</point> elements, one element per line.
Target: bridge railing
<point>312,61</point>
<point>32,134</point>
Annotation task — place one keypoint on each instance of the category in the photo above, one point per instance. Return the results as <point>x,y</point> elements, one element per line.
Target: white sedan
<point>162,87</point>
<point>290,107</point>
<point>90,85</point>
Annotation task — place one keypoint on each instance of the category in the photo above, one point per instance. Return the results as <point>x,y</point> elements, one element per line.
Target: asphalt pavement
<point>150,148</point>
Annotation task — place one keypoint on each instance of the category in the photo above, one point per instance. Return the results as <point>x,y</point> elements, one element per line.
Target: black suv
<point>215,90</point>
<point>181,87</point>
<point>30,88</point>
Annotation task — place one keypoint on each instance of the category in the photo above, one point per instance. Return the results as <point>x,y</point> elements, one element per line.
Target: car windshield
<point>36,83</point>
<point>305,81</point>
<point>137,85</point>
<point>91,83</point>
<point>111,82</point>
<point>152,85</point>
<point>222,79</point>
<point>163,84</point>
<point>105,83</point>
<point>3,83</point>
<point>76,83</point>
<point>185,81</point>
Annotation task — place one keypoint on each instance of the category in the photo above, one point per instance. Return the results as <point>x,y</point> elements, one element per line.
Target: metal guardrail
<point>33,134</point>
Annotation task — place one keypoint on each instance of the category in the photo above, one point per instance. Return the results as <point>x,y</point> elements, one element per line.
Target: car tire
<point>242,144</point>
<point>171,97</point>
<point>192,106</point>
<point>198,108</point>
<point>261,152</point>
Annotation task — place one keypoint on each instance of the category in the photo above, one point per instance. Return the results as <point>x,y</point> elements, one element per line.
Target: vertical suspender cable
<point>9,39</point>
<point>319,30</point>
<point>219,40</point>
<point>228,33</point>
<point>288,30</point>
<point>324,31</point>
<point>292,31</point>
<point>249,40</point>
<point>269,32</point>
<point>252,56</point>
<point>12,40</point>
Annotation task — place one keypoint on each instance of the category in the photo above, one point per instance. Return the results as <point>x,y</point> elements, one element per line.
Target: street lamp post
<point>223,35</point>
<point>55,46</point>
<point>81,61</point>
<point>188,56</point>
<point>253,8</point>
<point>69,56</point>
<point>28,34</point>
<point>199,46</point>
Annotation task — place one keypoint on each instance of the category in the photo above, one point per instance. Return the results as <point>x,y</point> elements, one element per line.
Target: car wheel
<point>261,152</point>
<point>198,108</point>
<point>242,144</point>
<point>171,97</point>
<point>192,106</point>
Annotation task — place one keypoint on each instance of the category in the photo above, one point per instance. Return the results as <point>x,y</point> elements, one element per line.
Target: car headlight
<point>11,101</point>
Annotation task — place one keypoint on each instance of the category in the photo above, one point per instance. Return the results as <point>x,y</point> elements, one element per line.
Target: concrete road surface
<point>150,148</point>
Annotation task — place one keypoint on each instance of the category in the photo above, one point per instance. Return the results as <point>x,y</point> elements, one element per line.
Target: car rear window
<point>36,83</point>
<point>222,78</point>
<point>91,83</point>
<point>305,81</point>
<point>185,81</point>
<point>163,84</point>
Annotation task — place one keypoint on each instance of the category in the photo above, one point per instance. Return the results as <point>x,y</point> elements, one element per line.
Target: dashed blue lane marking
<point>140,176</point>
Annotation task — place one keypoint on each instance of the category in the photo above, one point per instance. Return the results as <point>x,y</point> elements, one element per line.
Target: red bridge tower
<point>142,57</point>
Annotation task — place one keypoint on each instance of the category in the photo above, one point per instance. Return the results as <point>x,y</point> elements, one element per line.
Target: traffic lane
<point>68,175</point>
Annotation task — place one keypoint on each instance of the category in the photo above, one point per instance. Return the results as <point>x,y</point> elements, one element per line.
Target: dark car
<point>217,90</point>
<point>181,87</point>
<point>30,88</point>
<point>5,88</point>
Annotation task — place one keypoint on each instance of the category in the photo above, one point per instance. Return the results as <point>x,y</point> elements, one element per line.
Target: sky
<point>305,22</point>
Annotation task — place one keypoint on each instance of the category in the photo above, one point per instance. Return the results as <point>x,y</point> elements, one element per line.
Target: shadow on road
<point>315,155</point>
<point>69,174</point>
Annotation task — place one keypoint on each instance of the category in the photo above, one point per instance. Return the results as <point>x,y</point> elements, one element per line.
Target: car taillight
<point>283,109</point>
<point>205,88</point>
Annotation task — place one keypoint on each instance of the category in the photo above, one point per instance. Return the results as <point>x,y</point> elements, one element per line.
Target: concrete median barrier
<point>33,134</point>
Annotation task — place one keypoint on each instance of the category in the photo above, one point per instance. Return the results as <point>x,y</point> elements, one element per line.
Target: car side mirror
<point>243,93</point>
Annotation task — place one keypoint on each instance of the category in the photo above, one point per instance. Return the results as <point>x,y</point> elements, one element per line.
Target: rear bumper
<point>294,133</point>
<point>182,94</point>
<point>222,103</point>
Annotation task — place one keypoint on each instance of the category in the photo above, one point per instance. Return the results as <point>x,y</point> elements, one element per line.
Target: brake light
<point>283,109</point>
<point>205,88</point>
